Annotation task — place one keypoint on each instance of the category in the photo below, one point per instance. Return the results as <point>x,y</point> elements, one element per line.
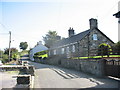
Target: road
<point>48,76</point>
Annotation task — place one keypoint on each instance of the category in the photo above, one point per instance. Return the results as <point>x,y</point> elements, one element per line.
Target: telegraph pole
<point>9,45</point>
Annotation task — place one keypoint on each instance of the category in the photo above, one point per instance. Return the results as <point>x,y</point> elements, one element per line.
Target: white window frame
<point>67,49</point>
<point>62,50</point>
<point>49,53</point>
<point>73,48</point>
<point>95,37</point>
<point>54,52</point>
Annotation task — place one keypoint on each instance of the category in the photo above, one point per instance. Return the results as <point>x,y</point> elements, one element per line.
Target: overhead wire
<point>104,17</point>
<point>4,33</point>
<point>4,26</point>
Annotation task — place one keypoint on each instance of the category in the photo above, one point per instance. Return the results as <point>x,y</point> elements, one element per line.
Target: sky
<point>30,20</point>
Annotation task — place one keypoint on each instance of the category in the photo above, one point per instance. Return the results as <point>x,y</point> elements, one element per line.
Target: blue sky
<point>30,20</point>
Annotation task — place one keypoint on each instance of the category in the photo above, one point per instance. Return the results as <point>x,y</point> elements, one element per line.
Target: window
<point>67,50</point>
<point>54,52</point>
<point>73,48</point>
<point>63,50</point>
<point>49,53</point>
<point>95,37</point>
<point>94,44</point>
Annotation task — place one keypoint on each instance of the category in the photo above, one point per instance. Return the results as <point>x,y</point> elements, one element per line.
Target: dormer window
<point>95,37</point>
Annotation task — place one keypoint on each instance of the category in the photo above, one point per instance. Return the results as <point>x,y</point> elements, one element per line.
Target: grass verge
<point>95,57</point>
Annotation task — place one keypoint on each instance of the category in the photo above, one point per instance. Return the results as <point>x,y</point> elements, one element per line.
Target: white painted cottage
<point>39,47</point>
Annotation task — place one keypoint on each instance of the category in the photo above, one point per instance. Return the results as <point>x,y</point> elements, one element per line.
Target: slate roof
<point>75,38</point>
<point>71,39</point>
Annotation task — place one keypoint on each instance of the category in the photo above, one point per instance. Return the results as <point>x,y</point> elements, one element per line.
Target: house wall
<point>83,47</point>
<point>87,43</point>
<point>93,44</point>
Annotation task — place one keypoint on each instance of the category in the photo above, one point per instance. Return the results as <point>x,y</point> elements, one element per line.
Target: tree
<point>13,52</point>
<point>5,58</point>
<point>23,45</point>
<point>50,38</point>
<point>1,53</point>
<point>116,48</point>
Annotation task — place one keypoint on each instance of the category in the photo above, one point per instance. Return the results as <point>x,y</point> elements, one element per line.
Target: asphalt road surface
<point>48,76</point>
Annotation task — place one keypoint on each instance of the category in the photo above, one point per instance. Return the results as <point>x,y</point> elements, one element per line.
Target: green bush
<point>116,48</point>
<point>5,58</point>
<point>104,49</point>
<point>14,56</point>
<point>41,54</point>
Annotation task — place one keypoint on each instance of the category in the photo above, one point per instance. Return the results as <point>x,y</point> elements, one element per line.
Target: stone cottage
<point>82,44</point>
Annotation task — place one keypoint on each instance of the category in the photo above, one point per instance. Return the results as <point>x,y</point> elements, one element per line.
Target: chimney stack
<point>93,23</point>
<point>40,42</point>
<point>58,37</point>
<point>70,32</point>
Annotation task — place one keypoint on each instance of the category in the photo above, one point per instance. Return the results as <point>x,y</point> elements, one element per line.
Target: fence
<point>112,68</point>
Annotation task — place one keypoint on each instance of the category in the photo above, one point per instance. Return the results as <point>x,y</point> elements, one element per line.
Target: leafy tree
<point>50,38</point>
<point>116,48</point>
<point>15,56</point>
<point>104,49</point>
<point>12,50</point>
<point>23,45</point>
<point>13,53</point>
<point>1,53</point>
<point>5,58</point>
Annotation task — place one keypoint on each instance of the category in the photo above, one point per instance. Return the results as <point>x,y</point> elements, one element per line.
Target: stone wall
<point>28,69</point>
<point>92,66</point>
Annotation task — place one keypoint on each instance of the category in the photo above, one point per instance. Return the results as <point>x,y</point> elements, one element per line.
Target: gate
<point>112,68</point>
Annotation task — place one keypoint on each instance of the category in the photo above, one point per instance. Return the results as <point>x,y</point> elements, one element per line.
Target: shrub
<point>5,58</point>
<point>116,48</point>
<point>104,49</point>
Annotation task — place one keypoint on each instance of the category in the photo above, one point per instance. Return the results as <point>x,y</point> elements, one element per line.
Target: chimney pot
<point>93,23</point>
<point>70,32</point>
<point>58,37</point>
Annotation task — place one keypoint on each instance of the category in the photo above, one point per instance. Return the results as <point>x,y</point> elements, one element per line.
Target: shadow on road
<point>103,82</point>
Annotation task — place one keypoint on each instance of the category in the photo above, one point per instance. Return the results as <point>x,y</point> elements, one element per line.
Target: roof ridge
<point>71,39</point>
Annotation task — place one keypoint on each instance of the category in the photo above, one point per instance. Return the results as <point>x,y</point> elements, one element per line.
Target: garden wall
<point>92,66</point>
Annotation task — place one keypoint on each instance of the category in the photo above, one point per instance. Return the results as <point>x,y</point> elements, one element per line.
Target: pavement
<point>7,80</point>
<point>48,76</point>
